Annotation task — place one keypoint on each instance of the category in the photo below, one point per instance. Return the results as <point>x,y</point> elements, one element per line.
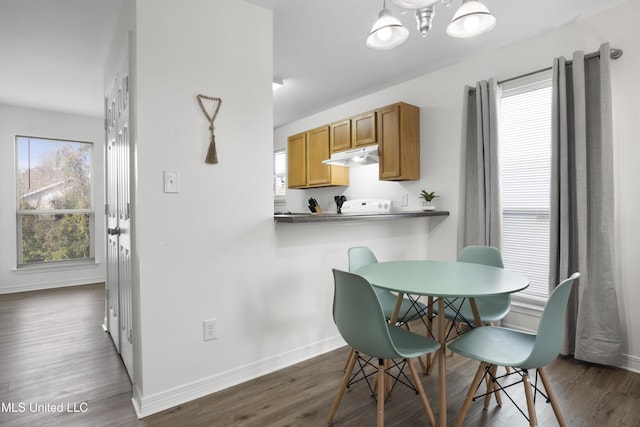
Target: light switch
<point>170,182</point>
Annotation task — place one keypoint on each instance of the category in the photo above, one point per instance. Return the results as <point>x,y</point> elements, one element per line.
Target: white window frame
<point>535,216</point>
<point>20,213</point>
<point>279,174</point>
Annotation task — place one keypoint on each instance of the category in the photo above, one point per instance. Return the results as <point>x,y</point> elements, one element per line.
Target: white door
<point>118,203</point>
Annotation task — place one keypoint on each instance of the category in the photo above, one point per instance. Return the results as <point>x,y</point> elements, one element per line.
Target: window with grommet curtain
<point>525,173</point>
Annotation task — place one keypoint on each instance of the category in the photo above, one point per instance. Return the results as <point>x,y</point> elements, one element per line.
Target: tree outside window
<point>54,200</point>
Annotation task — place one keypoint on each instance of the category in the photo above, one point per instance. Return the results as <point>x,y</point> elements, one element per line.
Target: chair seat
<point>491,310</point>
<point>496,345</point>
<point>409,344</point>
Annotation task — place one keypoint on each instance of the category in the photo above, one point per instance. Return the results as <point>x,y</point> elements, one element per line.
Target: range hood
<point>356,157</point>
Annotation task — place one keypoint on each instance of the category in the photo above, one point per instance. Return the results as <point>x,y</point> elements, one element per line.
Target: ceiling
<point>53,50</point>
<point>52,53</point>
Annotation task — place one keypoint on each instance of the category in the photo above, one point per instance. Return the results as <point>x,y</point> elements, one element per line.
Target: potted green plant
<point>428,198</point>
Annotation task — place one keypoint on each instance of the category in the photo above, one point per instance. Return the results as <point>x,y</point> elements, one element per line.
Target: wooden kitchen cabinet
<point>399,142</point>
<point>297,161</point>
<point>317,151</point>
<point>340,136</point>
<point>353,132</point>
<point>364,130</point>
<point>306,151</point>
<point>395,128</point>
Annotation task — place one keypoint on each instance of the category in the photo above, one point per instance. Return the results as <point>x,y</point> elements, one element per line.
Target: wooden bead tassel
<point>212,155</point>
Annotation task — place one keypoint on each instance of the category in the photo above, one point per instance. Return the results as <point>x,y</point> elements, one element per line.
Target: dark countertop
<point>333,217</point>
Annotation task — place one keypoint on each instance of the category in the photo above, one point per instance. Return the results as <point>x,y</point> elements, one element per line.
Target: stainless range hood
<point>356,157</point>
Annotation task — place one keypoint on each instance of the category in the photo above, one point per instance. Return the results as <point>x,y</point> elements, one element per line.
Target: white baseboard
<point>148,405</point>
<point>52,285</point>
<point>631,363</point>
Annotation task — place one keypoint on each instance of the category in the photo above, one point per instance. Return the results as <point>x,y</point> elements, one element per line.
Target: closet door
<point>118,209</point>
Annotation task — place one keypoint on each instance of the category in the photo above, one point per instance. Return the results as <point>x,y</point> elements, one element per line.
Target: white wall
<point>22,121</point>
<point>439,95</point>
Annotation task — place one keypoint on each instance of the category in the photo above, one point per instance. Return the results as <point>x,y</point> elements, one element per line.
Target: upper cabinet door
<point>318,150</point>
<point>399,142</point>
<point>364,130</point>
<point>297,160</point>
<point>340,137</point>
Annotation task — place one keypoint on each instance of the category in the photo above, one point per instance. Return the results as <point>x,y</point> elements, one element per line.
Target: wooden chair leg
<point>423,396</point>
<point>423,365</point>
<point>432,363</point>
<point>552,397</point>
<point>526,381</point>
<point>472,391</point>
<point>343,387</point>
<point>492,388</point>
<point>495,387</point>
<point>388,379</point>
<point>352,353</point>
<point>381,392</point>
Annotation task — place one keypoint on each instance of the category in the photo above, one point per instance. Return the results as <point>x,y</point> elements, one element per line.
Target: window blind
<point>280,172</point>
<point>525,175</point>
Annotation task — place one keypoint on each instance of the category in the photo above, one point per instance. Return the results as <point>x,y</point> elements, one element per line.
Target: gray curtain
<point>480,220</point>
<point>582,204</point>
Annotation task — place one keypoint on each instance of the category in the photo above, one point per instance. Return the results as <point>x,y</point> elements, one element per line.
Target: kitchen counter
<point>334,217</point>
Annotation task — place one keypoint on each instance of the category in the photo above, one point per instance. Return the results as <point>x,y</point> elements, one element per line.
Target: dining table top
<point>443,278</point>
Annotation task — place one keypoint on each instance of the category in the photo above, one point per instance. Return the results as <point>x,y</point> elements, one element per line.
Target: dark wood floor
<point>53,351</point>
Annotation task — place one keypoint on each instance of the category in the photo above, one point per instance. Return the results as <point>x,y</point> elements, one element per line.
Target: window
<point>280,172</point>
<point>55,217</point>
<point>525,178</point>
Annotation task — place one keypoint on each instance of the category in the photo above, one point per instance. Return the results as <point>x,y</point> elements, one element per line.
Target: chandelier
<point>470,20</point>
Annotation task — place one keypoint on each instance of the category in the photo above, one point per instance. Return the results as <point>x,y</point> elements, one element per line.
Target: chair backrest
<point>550,334</point>
<point>359,316</point>
<point>486,255</point>
<point>360,256</point>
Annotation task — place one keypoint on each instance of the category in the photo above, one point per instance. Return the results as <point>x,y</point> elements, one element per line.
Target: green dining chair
<point>358,314</point>
<point>491,308</point>
<point>497,346</point>
<point>361,256</point>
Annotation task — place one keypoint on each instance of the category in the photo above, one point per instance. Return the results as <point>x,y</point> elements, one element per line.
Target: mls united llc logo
<point>22,407</point>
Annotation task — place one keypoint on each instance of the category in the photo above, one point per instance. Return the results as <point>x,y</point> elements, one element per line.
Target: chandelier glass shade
<point>387,32</point>
<point>472,19</point>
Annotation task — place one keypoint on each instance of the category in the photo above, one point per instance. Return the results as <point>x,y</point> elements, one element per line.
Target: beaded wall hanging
<point>212,155</point>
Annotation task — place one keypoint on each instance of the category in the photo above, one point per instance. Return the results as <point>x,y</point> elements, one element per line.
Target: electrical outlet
<point>210,330</point>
